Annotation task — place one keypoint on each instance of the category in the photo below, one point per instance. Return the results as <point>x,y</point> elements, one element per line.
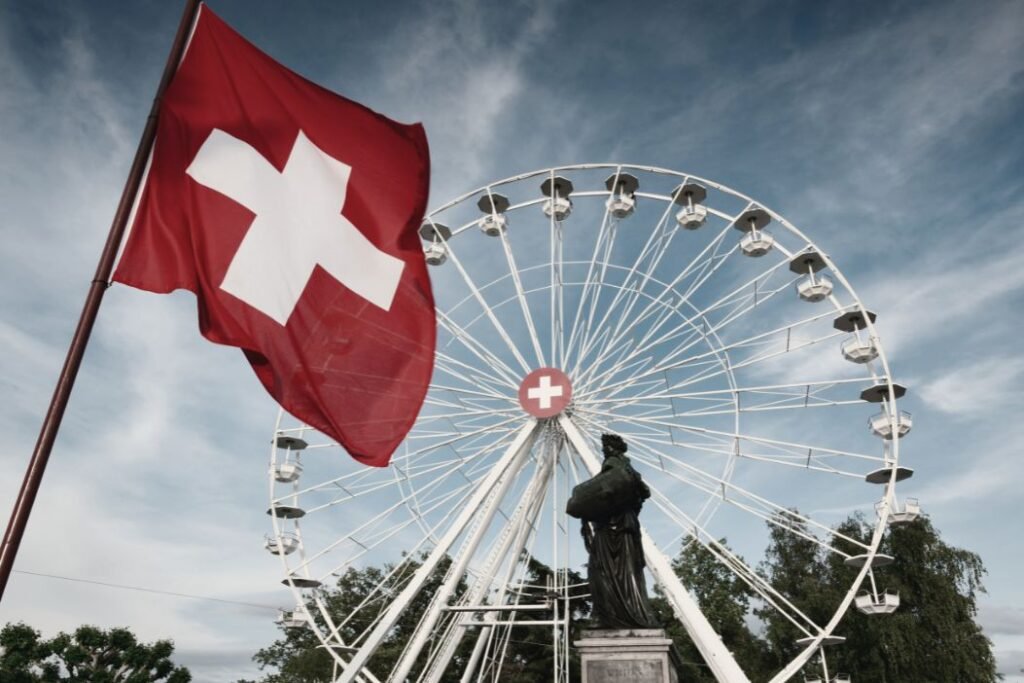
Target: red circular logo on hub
<point>545,392</point>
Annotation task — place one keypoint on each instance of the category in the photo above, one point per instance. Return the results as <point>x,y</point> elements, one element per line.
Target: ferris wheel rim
<point>834,271</point>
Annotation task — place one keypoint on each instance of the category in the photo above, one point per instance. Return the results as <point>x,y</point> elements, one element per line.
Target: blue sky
<point>888,131</point>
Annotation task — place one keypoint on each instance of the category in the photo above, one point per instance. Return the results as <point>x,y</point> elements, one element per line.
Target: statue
<point>609,504</point>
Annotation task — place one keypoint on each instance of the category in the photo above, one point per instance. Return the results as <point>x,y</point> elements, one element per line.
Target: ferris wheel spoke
<point>787,396</point>
<point>801,455</point>
<point>442,470</point>
<point>740,497</point>
<point>471,375</point>
<point>619,359</point>
<point>739,299</point>
<point>345,481</point>
<point>675,359</point>
<point>488,311</point>
<point>557,293</point>
<point>754,359</point>
<point>442,501</point>
<point>656,235</point>
<point>520,294</point>
<point>732,494</point>
<point>605,240</point>
<point>395,578</point>
<point>425,419</point>
<point>701,268</point>
<point>475,347</point>
<point>735,564</point>
<point>741,307</point>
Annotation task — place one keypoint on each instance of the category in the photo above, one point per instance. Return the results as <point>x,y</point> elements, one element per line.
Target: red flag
<point>291,213</point>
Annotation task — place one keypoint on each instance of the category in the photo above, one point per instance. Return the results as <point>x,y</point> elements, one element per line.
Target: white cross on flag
<point>291,213</point>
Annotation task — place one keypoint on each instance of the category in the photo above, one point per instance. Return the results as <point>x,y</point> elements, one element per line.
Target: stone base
<point>626,656</point>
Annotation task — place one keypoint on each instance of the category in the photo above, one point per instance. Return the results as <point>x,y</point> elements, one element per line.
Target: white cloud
<point>986,387</point>
<point>158,478</point>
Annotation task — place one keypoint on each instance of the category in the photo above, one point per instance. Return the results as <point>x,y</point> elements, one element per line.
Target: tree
<point>932,637</point>
<point>794,565</point>
<point>725,600</point>
<point>297,656</point>
<point>530,655</point>
<point>89,655</point>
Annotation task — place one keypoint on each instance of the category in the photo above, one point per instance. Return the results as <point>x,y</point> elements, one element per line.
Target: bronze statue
<point>609,504</point>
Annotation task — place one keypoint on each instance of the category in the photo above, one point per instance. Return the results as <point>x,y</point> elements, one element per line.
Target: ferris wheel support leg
<point>710,645</point>
<point>507,465</point>
<point>522,521</point>
<point>487,509</point>
<point>522,537</point>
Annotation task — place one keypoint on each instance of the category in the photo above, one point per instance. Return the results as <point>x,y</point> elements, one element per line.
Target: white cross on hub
<point>298,226</point>
<point>544,392</point>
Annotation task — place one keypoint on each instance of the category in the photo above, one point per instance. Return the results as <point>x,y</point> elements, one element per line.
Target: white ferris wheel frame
<point>478,505</point>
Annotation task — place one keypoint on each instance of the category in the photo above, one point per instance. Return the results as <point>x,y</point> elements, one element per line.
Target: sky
<point>889,131</point>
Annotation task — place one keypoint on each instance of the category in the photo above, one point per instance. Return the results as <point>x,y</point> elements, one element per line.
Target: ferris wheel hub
<point>545,392</point>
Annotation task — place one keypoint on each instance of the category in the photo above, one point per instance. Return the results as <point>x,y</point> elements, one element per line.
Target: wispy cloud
<point>891,142</point>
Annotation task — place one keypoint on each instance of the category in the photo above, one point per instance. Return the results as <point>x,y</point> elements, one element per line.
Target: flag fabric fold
<point>292,214</point>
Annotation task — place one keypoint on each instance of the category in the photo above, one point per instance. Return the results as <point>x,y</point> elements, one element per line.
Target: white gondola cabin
<point>814,287</point>
<point>691,197</point>
<point>860,350</point>
<point>622,187</point>
<point>910,511</point>
<point>558,205</point>
<point>292,619</point>
<point>285,545</point>
<point>871,603</point>
<point>436,236</point>
<point>754,243</point>
<point>435,254</point>
<point>494,221</point>
<point>287,472</point>
<point>882,424</point>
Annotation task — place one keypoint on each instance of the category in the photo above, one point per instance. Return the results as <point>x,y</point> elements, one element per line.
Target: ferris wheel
<point>728,350</point>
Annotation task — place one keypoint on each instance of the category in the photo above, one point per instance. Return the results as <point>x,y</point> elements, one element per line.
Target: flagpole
<point>55,413</point>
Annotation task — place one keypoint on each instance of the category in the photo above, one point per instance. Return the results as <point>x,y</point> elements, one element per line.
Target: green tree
<point>725,600</point>
<point>297,656</point>
<point>530,654</point>
<point>89,655</point>
<point>933,636</point>
<point>794,565</point>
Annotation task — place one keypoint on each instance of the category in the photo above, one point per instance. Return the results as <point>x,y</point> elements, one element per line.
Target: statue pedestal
<point>626,656</point>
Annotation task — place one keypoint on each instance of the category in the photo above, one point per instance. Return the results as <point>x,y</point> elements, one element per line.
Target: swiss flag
<point>291,213</point>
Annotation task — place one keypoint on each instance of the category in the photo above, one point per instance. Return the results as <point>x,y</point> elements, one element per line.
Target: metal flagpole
<point>55,413</point>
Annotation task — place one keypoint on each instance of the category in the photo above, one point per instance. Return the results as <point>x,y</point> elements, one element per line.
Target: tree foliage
<point>530,653</point>
<point>89,655</point>
<point>297,657</point>
<point>354,603</point>
<point>932,638</point>
<point>725,600</point>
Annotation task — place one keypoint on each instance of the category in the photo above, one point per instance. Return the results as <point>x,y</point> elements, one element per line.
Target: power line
<point>142,589</point>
